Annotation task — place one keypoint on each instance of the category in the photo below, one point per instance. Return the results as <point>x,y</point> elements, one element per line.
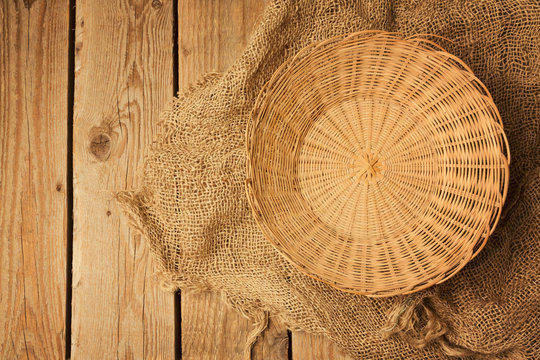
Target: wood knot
<point>100,146</point>
<point>107,140</point>
<point>58,187</point>
<point>156,4</point>
<point>108,212</point>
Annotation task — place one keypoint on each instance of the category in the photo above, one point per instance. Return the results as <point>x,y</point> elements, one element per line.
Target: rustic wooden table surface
<point>82,84</point>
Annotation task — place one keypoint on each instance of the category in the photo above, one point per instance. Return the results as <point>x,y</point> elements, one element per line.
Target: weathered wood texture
<point>212,34</point>
<point>308,347</point>
<point>123,78</point>
<point>33,156</point>
<point>210,330</point>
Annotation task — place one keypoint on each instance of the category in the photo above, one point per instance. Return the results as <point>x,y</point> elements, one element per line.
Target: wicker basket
<point>377,164</point>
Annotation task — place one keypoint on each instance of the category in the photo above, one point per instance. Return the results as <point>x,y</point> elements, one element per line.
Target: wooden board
<point>123,78</point>
<point>307,347</point>
<point>33,157</point>
<point>212,34</point>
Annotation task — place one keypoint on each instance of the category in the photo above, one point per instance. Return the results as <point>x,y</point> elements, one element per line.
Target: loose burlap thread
<point>194,214</point>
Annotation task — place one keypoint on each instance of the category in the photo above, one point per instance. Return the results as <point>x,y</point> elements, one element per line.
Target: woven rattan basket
<point>377,164</point>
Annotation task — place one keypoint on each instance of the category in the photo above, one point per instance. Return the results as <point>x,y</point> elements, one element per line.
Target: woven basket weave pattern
<point>377,164</point>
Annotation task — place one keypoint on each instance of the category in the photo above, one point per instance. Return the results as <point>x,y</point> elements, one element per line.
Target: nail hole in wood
<point>186,51</point>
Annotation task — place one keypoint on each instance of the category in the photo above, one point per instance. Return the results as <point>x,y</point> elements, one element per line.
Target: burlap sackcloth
<point>193,211</point>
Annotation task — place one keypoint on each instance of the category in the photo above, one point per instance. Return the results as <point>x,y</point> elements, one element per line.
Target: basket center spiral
<point>366,167</point>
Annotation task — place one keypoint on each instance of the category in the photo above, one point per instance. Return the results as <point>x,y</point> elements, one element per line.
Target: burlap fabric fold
<point>193,211</point>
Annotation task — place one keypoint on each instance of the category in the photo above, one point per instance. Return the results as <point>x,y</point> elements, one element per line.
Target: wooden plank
<point>307,347</point>
<point>212,34</point>
<point>123,78</point>
<point>33,157</point>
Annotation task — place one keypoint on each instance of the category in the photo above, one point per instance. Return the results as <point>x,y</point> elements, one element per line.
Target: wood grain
<point>33,156</point>
<point>210,330</point>
<point>307,347</point>
<point>123,78</point>
<point>212,34</point>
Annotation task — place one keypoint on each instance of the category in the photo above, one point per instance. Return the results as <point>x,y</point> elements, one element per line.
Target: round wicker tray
<point>377,164</point>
